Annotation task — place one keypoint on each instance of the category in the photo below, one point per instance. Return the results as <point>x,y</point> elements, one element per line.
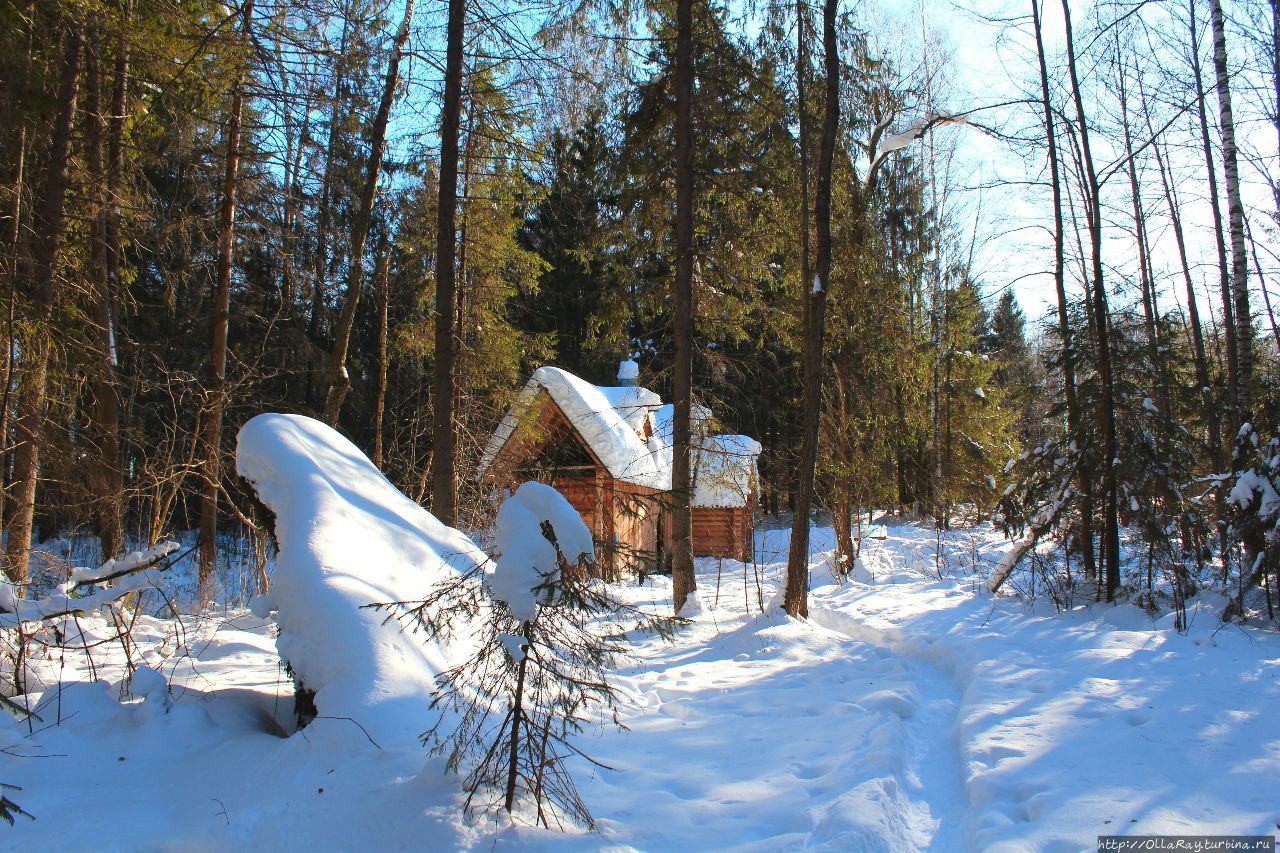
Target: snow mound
<point>349,538</point>
<point>527,568</point>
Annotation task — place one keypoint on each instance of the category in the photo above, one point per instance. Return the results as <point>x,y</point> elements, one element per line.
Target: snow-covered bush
<point>33,629</point>
<point>1254,512</point>
<point>348,538</point>
<point>548,635</point>
<point>537,531</point>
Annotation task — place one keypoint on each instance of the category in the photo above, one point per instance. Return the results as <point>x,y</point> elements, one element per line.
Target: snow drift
<point>349,538</point>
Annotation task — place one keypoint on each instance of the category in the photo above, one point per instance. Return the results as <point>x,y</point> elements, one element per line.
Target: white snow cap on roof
<point>594,412</point>
<point>725,471</point>
<point>612,421</point>
<point>349,538</point>
<point>628,370</point>
<point>724,466</point>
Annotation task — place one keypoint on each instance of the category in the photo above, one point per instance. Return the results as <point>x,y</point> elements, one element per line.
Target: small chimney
<point>628,374</point>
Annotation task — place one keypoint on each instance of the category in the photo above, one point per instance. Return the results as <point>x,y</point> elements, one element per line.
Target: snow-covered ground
<point>908,713</point>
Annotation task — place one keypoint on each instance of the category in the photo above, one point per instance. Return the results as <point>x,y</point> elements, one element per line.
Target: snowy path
<point>934,757</point>
<point>909,713</point>
<point>762,733</point>
<point>1082,723</point>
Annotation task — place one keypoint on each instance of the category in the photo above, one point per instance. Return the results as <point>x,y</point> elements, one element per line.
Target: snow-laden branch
<point>881,145</point>
<point>123,565</point>
<point>913,133</point>
<point>126,574</point>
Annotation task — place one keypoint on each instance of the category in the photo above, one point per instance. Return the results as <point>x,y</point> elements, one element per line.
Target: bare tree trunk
<point>1235,219</point>
<point>1059,279</point>
<point>113,524</point>
<point>462,295</point>
<point>683,581</point>
<point>517,714</point>
<point>1275,83</point>
<point>320,262</point>
<point>842,511</point>
<point>380,276</point>
<point>1219,233</point>
<point>212,427</point>
<point>937,331</point>
<point>106,420</point>
<point>33,390</point>
<point>1135,197</point>
<point>443,438</point>
<point>339,380</point>
<point>1275,105</point>
<point>295,149</point>
<point>1107,413</point>
<point>1146,271</point>
<point>796,600</point>
<point>12,236</point>
<point>1201,362</point>
<point>802,119</point>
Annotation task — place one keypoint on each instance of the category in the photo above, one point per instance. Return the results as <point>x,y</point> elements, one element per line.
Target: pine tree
<point>573,229</point>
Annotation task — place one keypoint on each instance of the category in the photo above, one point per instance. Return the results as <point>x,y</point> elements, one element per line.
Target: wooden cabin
<point>608,451</point>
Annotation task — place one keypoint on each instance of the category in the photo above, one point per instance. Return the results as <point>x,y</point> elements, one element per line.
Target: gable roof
<point>629,431</point>
<point>724,466</point>
<point>600,416</point>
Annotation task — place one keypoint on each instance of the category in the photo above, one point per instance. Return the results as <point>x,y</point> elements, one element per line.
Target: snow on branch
<point>126,574</point>
<point>915,131</point>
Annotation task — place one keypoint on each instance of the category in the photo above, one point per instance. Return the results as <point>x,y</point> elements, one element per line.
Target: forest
<point>386,215</point>
<point>986,288</point>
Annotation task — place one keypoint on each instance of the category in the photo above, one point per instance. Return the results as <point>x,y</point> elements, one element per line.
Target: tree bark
<point>380,276</point>
<point>115,189</point>
<point>517,714</point>
<point>1068,361</point>
<point>1201,362</point>
<point>1275,83</point>
<point>443,438</point>
<point>106,421</point>
<point>796,599</point>
<point>1107,410</point>
<point>13,233</point>
<point>1146,270</point>
<point>1219,235</point>
<point>33,390</point>
<point>320,261</point>
<point>683,581</point>
<point>339,380</point>
<point>802,119</point>
<point>212,431</point>
<point>1235,220</point>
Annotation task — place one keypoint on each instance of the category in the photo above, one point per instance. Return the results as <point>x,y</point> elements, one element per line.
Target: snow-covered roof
<point>603,417</point>
<point>630,431</point>
<point>725,471</point>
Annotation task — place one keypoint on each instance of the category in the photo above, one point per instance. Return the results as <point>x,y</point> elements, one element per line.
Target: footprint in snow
<point>888,700</point>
